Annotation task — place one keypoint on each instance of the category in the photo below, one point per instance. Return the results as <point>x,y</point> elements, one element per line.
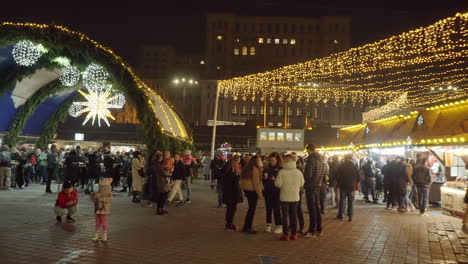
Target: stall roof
<point>443,124</point>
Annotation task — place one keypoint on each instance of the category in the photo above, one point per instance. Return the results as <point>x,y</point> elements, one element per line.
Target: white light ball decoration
<point>95,77</point>
<point>118,102</point>
<point>25,53</point>
<point>74,110</point>
<point>70,76</point>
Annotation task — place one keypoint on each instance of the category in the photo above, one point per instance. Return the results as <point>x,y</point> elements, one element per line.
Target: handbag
<point>141,172</point>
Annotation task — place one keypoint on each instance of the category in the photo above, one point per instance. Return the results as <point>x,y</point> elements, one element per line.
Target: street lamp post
<point>215,120</point>
<point>184,82</point>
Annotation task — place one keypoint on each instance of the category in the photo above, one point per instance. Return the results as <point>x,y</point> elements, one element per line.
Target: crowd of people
<point>282,181</point>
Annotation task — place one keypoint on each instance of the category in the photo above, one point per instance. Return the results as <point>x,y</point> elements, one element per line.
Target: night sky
<point>181,23</point>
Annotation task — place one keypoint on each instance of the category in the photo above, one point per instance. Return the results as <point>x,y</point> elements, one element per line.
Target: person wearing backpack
<point>5,168</point>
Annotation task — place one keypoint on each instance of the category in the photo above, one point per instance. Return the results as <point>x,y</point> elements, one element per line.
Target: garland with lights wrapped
<point>61,41</point>
<point>59,116</point>
<point>27,109</point>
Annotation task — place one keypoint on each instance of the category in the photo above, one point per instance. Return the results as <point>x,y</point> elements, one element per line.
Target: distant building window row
<point>277,41</point>
<point>245,51</point>
<point>280,136</point>
<point>284,28</point>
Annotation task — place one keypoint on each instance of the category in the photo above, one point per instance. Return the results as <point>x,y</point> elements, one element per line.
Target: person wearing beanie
<point>102,204</point>
<point>66,203</point>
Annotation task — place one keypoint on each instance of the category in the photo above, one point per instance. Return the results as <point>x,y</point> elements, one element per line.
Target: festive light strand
<point>412,62</point>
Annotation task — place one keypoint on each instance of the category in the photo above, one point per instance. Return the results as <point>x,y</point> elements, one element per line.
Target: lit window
<point>252,51</point>
<point>289,136</point>
<point>298,136</point>
<point>280,124</point>
<point>270,124</point>
<point>271,136</point>
<point>292,42</point>
<point>285,41</point>
<point>263,136</point>
<point>280,136</point>
<point>268,40</point>
<point>244,110</point>
<point>234,109</point>
<point>252,110</point>
<point>280,111</point>
<point>244,51</point>
<point>298,112</point>
<point>272,110</point>
<point>290,113</point>
<point>289,124</point>
<point>236,51</point>
<point>261,110</point>
<point>237,40</point>
<point>260,40</point>
<point>277,41</point>
<point>219,37</point>
<point>218,67</point>
<point>335,41</point>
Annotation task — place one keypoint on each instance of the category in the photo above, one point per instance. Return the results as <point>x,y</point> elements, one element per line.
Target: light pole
<point>184,82</point>
<point>215,119</point>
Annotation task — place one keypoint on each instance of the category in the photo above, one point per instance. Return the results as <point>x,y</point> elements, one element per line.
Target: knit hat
<point>106,181</point>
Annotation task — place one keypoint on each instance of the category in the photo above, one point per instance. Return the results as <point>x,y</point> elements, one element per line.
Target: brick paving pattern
<point>194,233</point>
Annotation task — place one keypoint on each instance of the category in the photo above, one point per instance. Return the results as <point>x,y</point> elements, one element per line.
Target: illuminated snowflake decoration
<point>97,105</point>
<point>70,76</point>
<point>25,53</point>
<point>95,77</point>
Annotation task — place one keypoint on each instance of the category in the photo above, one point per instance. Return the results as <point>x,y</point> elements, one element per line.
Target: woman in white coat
<point>289,181</point>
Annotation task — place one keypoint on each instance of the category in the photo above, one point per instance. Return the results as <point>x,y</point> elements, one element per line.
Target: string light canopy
<point>416,62</point>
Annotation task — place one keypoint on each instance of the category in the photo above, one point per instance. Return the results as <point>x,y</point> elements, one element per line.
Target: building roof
<point>444,124</point>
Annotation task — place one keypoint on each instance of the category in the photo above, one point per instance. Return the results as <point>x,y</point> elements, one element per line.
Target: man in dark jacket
<point>399,181</point>
<point>315,170</point>
<point>52,165</point>
<point>423,180</point>
<point>369,178</point>
<point>347,179</point>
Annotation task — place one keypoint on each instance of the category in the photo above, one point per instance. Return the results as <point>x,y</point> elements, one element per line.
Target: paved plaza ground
<point>194,233</point>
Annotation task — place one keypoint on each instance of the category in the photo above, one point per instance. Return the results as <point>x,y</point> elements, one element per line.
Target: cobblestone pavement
<point>194,233</point>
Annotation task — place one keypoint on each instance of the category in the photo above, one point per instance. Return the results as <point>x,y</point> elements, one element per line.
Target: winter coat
<point>179,172</point>
<point>348,176</point>
<point>289,181</point>
<point>206,165</point>
<point>64,198</point>
<point>269,183</point>
<point>158,182</point>
<point>216,167</point>
<point>422,176</point>
<point>334,172</point>
<point>254,183</point>
<point>231,188</point>
<point>72,170</point>
<point>103,198</point>
<point>368,171</point>
<point>51,160</point>
<point>398,177</point>
<point>137,180</point>
<point>315,170</point>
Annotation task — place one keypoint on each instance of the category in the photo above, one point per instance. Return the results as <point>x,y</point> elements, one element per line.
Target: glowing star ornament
<point>97,106</point>
<point>70,76</point>
<point>95,77</point>
<point>25,53</point>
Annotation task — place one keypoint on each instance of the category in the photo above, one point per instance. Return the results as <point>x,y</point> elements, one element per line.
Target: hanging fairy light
<point>70,76</point>
<point>26,53</point>
<point>95,77</point>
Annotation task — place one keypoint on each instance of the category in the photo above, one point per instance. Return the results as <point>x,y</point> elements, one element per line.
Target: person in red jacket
<point>66,203</point>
